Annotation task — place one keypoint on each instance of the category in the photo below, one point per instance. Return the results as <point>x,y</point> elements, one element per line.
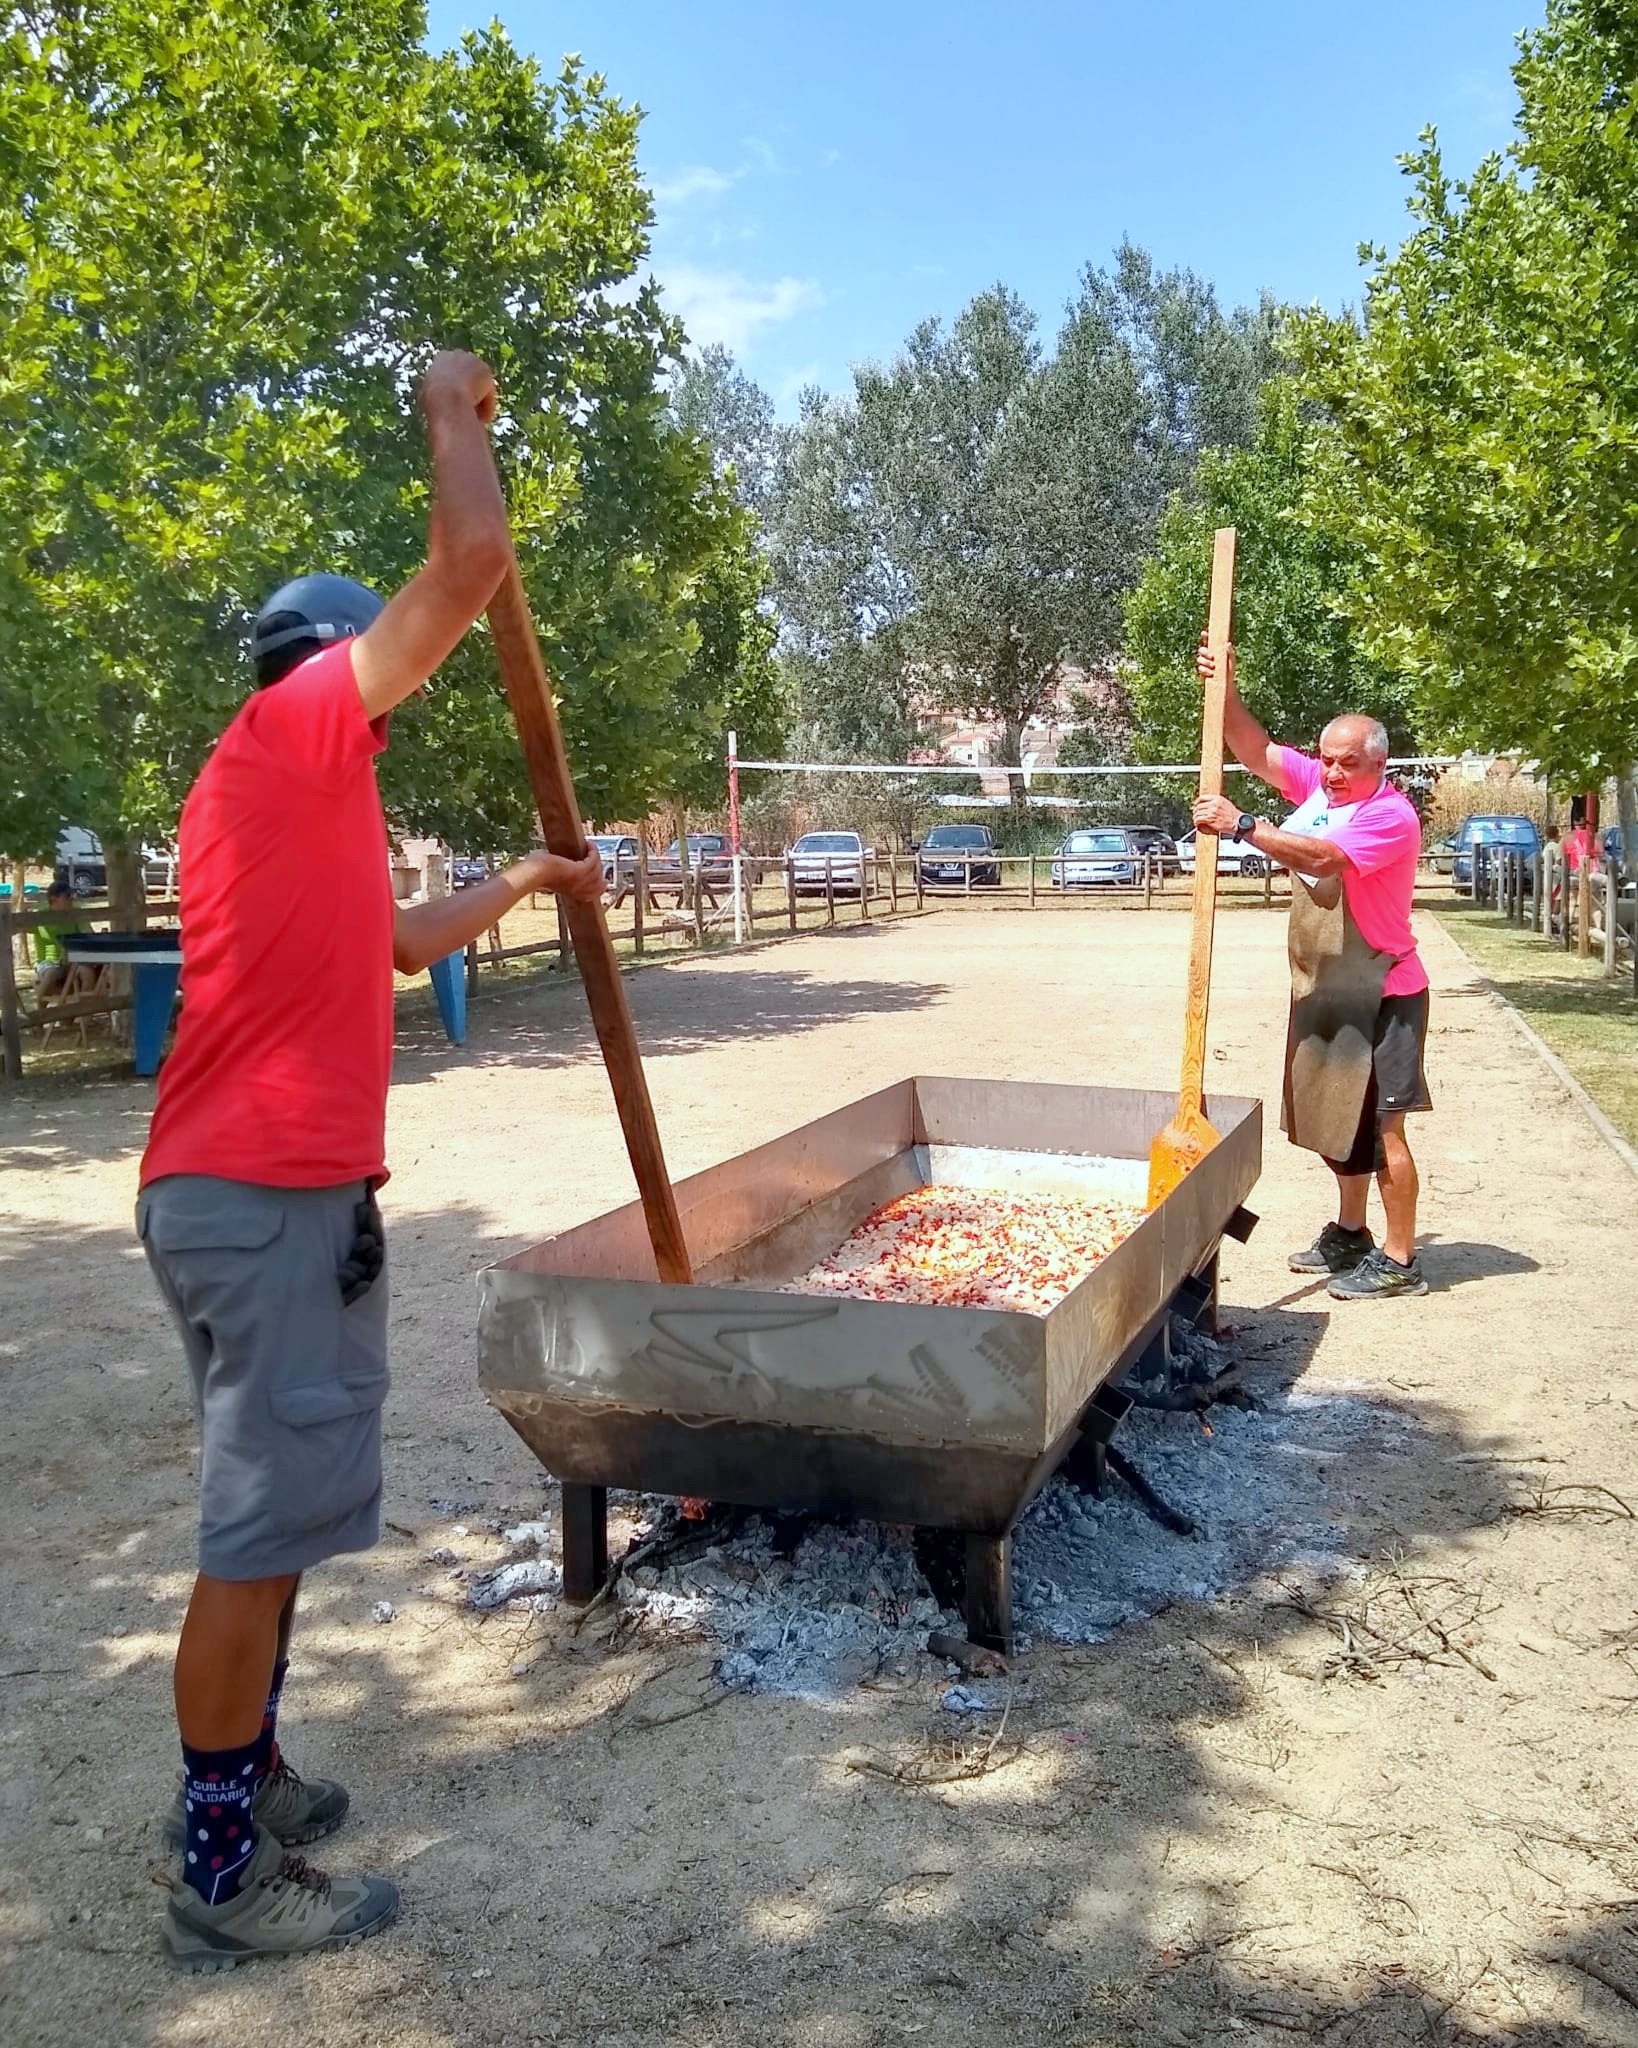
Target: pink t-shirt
<point>1382,837</point>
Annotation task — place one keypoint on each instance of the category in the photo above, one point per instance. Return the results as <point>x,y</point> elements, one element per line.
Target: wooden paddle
<point>1188,1137</point>
<point>530,690</point>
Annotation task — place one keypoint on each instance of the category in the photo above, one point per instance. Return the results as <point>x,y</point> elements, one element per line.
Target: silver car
<point>1103,856</point>
<point>849,862</point>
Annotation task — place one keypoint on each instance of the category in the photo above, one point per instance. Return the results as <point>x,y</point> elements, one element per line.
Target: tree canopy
<point>1299,663</point>
<point>1485,419</point>
<point>958,531</point>
<point>230,236</point>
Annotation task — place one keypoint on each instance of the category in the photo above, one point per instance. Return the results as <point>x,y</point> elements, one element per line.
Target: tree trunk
<point>1626,799</point>
<point>1012,746</point>
<point>127,894</point>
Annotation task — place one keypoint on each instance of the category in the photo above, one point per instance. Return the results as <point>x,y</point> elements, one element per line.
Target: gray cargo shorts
<point>288,1384</point>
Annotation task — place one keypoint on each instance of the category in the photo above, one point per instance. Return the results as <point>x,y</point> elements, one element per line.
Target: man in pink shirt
<point>1360,993</point>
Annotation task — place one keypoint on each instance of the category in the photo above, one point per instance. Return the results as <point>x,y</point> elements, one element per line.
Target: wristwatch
<point>1246,826</point>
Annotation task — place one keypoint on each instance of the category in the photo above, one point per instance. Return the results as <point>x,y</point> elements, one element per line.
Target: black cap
<point>305,616</point>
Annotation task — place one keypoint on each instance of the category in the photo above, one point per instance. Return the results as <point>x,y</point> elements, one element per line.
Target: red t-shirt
<point>284,1046</point>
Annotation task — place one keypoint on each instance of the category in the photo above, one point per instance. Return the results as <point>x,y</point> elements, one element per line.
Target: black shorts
<point>1398,1081</point>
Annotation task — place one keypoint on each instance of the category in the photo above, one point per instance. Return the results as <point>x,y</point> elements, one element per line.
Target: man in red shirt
<point>257,1209</point>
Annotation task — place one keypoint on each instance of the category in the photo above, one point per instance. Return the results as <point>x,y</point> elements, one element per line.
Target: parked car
<point>949,851</point>
<point>1234,857</point>
<point>467,868</point>
<point>619,851</point>
<point>709,857</point>
<point>843,856</point>
<point>1441,855</point>
<point>1100,856</point>
<point>80,861</point>
<point>82,864</point>
<point>1151,839</point>
<point>1475,837</point>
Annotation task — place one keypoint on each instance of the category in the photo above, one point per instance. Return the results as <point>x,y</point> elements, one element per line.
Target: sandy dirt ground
<point>1198,1831</point>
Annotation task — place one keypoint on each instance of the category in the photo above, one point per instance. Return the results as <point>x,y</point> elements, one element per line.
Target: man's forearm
<point>1296,851</point>
<point>424,932</point>
<point>469,520</point>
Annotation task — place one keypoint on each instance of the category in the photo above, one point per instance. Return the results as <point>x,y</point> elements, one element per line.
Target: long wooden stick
<point>529,689</point>
<point>1189,1137</point>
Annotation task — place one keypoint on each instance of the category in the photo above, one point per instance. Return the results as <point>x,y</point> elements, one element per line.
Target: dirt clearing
<point>1401,1812</point>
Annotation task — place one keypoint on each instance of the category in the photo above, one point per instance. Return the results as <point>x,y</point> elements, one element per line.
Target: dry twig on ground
<point>1376,1634</point>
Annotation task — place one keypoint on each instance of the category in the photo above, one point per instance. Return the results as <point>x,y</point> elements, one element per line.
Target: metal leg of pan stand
<point>585,1542</point>
<point>989,1592</point>
<point>1196,1300</point>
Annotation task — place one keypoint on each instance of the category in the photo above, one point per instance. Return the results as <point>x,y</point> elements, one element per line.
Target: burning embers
<point>956,1247</point>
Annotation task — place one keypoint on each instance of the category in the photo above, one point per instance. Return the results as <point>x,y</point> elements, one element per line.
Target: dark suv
<point>949,851</point>
<point>1151,839</point>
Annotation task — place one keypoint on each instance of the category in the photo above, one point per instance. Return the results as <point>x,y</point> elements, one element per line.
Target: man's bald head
<point>1353,756</point>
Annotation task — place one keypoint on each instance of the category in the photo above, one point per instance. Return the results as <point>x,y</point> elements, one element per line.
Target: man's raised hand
<point>1205,663</point>
<point>456,381</point>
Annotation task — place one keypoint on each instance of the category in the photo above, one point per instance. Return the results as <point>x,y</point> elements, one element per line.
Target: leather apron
<point>1336,994</point>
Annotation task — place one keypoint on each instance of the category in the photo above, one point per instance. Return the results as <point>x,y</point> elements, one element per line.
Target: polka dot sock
<point>267,1743</point>
<point>218,1786</point>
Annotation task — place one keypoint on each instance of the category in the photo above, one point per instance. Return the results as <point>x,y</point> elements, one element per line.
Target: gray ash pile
<point>810,1609</point>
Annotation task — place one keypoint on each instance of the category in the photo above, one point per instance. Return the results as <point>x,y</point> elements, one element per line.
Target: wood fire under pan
<point>735,1391</point>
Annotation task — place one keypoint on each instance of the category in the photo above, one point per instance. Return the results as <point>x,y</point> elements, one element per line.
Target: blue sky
<point>826,175</point>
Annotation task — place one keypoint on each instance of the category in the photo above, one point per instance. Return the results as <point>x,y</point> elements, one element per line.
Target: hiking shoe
<point>1335,1250</point>
<point>1377,1276</point>
<point>292,1808</point>
<point>284,1907</point>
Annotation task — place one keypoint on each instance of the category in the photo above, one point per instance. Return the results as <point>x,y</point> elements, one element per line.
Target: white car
<point>1102,855</point>
<point>1234,857</point>
<point>849,863</point>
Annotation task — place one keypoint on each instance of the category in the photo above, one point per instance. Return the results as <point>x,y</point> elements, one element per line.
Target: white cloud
<point>694,181</point>
<point>723,305</point>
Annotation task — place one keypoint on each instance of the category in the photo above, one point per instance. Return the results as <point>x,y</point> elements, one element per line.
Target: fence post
<point>864,889</point>
<point>11,1035</point>
<point>562,932</point>
<point>1032,881</point>
<point>893,883</point>
<point>1538,881</point>
<point>1583,944</point>
<point>921,894</point>
<point>966,874</point>
<point>1148,879</point>
<point>642,892</point>
<point>790,889</point>
<point>750,897</point>
<point>830,890</point>
<point>734,876</point>
<point>471,967</point>
<point>1611,902</point>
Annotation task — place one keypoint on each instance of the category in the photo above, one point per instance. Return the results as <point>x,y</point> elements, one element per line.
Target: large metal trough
<point>950,1418</point>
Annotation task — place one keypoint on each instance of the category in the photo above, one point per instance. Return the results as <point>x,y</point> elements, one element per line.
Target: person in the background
<point>258,1210</point>
<point>1359,993</point>
<point>51,970</point>
<point>1579,846</point>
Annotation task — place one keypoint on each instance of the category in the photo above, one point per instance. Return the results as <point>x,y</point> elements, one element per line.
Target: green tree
<point>1485,419</point>
<point>958,532</point>
<point>229,237</point>
<point>1299,662</point>
<point>732,414</point>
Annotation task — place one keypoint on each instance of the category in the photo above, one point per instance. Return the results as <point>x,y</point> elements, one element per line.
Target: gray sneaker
<point>1376,1277</point>
<point>1335,1250</point>
<point>284,1907</point>
<point>292,1808</point>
